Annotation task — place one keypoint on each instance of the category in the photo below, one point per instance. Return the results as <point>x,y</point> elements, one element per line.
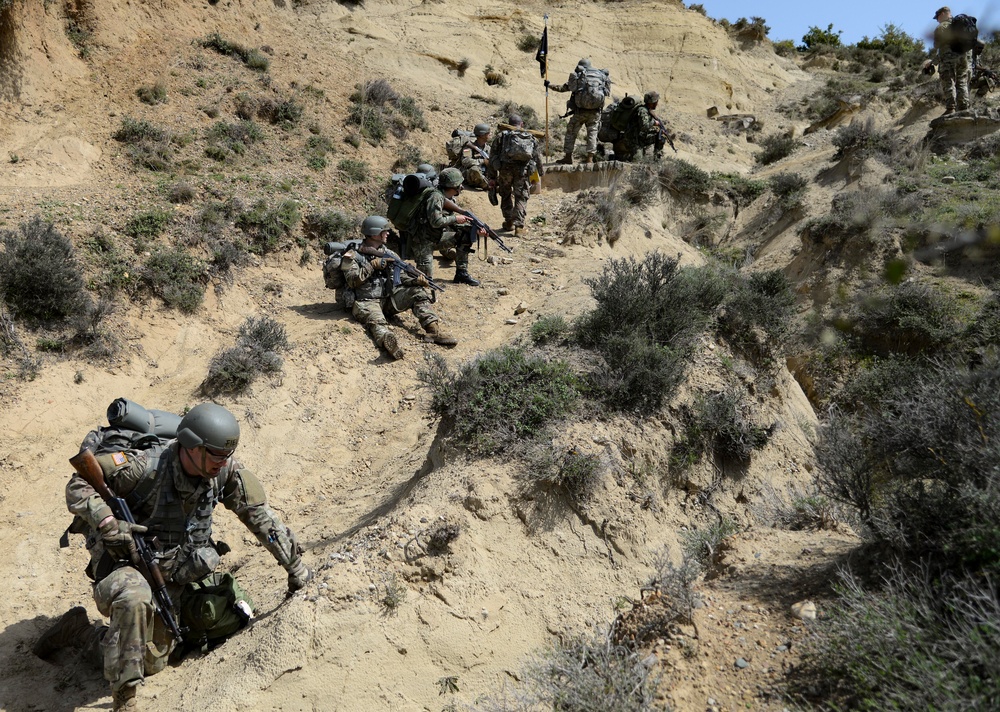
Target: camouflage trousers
<point>514,187</point>
<point>475,177</point>
<point>422,252</point>
<point>954,74</point>
<point>373,312</point>
<point>577,120</point>
<point>627,148</point>
<point>136,643</point>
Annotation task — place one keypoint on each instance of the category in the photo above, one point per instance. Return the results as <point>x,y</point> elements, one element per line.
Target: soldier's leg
<point>417,299</point>
<point>369,313</point>
<point>126,598</point>
<point>946,73</point>
<point>962,84</point>
<point>423,256</point>
<point>593,125</point>
<point>459,242</point>
<point>475,178</point>
<point>505,189</point>
<point>521,190</point>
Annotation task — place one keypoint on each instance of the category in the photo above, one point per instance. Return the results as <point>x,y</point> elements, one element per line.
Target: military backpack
<point>454,145</point>
<point>333,276</point>
<point>621,114</point>
<point>405,200</point>
<point>213,609</point>
<point>592,86</point>
<point>963,33</point>
<point>517,147</point>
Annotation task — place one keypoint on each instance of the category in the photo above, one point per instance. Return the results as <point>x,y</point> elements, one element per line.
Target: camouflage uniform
<point>177,509</point>
<point>429,233</point>
<point>642,132</point>
<point>376,297</point>
<point>953,69</point>
<point>473,165</point>
<point>513,180</point>
<point>579,118</point>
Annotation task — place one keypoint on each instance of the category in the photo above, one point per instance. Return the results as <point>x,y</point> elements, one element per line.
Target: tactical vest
<point>378,285</point>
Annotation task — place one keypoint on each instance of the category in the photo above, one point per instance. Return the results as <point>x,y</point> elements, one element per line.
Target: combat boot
<point>70,630</point>
<point>391,344</point>
<point>507,225</point>
<point>590,158</point>
<point>566,160</point>
<point>124,699</point>
<point>439,337</point>
<point>462,276</point>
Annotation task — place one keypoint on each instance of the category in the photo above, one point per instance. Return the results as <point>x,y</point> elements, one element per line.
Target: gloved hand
<point>378,263</point>
<point>117,538</point>
<point>546,83</point>
<point>422,281</point>
<point>298,575</point>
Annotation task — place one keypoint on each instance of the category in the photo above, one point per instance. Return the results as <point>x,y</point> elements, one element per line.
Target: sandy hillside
<point>343,440</point>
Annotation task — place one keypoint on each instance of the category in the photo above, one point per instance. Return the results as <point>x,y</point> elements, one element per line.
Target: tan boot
<point>124,699</point>
<point>391,344</point>
<point>589,158</point>
<point>520,231</point>
<point>439,337</point>
<point>70,630</point>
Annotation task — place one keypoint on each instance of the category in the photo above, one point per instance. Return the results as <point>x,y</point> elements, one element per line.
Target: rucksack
<point>592,86</point>
<point>964,33</point>
<point>333,276</point>
<point>621,114</point>
<point>406,199</point>
<point>213,609</point>
<point>453,146</point>
<point>131,427</point>
<point>518,147</point>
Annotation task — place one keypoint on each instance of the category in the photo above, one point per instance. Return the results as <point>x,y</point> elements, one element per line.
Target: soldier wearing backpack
<point>429,228</point>
<point>368,270</point>
<point>515,155</point>
<point>642,130</point>
<point>954,38</point>
<point>171,489</point>
<point>473,156</point>
<point>589,87</point>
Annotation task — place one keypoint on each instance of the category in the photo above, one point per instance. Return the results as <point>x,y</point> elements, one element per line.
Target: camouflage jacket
<point>471,158</point>
<point>642,129</point>
<point>942,43</point>
<point>366,281</point>
<point>177,508</point>
<point>431,218</point>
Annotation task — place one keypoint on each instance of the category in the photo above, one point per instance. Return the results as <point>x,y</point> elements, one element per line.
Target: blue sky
<point>789,19</point>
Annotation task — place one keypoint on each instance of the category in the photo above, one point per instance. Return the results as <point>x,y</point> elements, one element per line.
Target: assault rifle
<point>452,206</point>
<point>666,134</point>
<point>88,468</point>
<point>399,266</point>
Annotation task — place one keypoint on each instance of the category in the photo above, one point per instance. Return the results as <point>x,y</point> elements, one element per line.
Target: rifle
<point>89,469</point>
<point>398,267</point>
<point>453,207</point>
<point>664,133</point>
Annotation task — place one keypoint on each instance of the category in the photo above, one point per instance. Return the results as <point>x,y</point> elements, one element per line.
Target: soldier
<point>172,488</point>
<point>643,131</point>
<point>953,66</point>
<point>428,229</point>
<point>371,278</point>
<point>589,88</point>
<point>515,155</point>
<point>475,157</point>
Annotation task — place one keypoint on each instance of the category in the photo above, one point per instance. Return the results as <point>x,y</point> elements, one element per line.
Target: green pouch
<point>214,608</point>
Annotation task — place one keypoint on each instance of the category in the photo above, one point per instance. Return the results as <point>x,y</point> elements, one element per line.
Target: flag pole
<point>546,16</point>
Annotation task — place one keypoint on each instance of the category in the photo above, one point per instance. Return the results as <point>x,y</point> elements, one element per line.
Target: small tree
<point>816,37</point>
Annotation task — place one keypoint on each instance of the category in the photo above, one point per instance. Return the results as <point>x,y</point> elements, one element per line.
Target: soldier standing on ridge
<point>589,88</point>
<point>953,67</point>
<point>514,156</point>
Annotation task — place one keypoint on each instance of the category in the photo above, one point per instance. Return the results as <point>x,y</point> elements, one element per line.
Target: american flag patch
<point>119,458</point>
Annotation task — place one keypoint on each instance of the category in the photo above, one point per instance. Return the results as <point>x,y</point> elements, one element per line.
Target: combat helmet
<point>651,97</point>
<point>450,178</point>
<point>585,63</point>
<point>515,120</point>
<point>481,129</point>
<point>210,425</point>
<point>373,225</point>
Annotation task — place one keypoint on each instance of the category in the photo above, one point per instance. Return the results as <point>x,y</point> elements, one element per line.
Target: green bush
<point>252,58</point>
<point>910,318</point>
<point>232,371</point>
<point>861,139</point>
<point>757,314</point>
<point>527,42</point>
<point>703,546</point>
<point>775,147</point>
<point>147,225</point>
<point>376,108</point>
<point>117,271</point>
<point>500,398</point>
<point>354,171</point>
<point>332,226</point>
<point>680,176</point>
<point>740,189</point>
<point>721,424</point>
<point>266,226</point>
<point>789,189</point>
<point>549,328</point>
<point>638,374</point>
<point>181,192</point>
<point>177,277</point>
<point>148,146</point>
<point>573,472</point>
<point>225,139</point>
<point>582,673</point>
<point>816,37</point>
<point>40,277</point>
<point>603,209</point>
<point>152,95</point>
<point>784,48</point>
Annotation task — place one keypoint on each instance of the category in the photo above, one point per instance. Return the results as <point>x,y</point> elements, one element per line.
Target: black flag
<point>542,55</point>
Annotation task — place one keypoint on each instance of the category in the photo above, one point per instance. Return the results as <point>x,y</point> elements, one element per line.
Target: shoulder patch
<point>118,458</point>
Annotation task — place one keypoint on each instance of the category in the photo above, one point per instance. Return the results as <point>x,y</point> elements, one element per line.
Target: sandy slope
<point>342,440</point>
